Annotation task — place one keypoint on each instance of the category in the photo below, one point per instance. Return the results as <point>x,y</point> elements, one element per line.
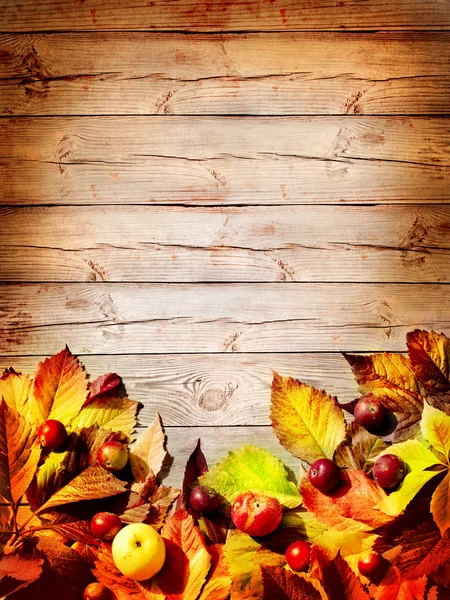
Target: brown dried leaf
<point>93,483</point>
<point>196,465</point>
<point>19,453</point>
<point>71,527</point>
<point>161,501</point>
<point>148,452</point>
<point>65,563</point>
<point>360,449</point>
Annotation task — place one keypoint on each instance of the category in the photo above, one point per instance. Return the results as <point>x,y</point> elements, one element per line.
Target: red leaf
<point>64,563</point>
<point>186,555</point>
<point>195,466</point>
<point>16,572</point>
<point>285,585</point>
<point>354,498</point>
<point>336,577</point>
<point>103,385</point>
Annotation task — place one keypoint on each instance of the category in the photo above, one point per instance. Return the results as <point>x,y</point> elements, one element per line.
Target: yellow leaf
<point>435,427</point>
<point>418,458</point>
<point>308,422</point>
<point>59,389</point>
<point>240,552</point>
<point>15,389</point>
<point>440,505</point>
<point>350,544</point>
<point>114,413</point>
<point>148,452</point>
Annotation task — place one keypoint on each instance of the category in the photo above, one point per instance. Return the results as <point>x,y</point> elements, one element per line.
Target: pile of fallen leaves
<point>49,498</point>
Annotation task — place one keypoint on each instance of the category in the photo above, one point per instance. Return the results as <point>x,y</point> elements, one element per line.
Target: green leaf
<point>418,458</point>
<point>252,468</point>
<point>308,422</point>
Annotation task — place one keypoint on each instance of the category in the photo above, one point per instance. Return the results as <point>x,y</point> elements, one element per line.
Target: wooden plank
<point>234,244</point>
<point>209,390</point>
<point>219,160</point>
<point>223,15</point>
<point>259,74</point>
<point>180,318</point>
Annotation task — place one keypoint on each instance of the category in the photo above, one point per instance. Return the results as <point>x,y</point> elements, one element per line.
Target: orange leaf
<point>19,453</point>
<point>17,572</point>
<point>93,483</point>
<point>336,576</point>
<point>429,353</point>
<point>219,581</point>
<point>60,388</point>
<point>106,573</point>
<point>186,555</point>
<point>15,389</point>
<point>65,563</point>
<point>285,585</point>
<point>354,499</point>
<point>440,504</point>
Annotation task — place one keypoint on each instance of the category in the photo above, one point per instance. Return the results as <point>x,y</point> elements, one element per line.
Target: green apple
<point>138,551</point>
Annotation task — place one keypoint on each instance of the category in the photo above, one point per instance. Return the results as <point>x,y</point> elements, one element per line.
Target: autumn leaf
<point>19,453</point>
<point>70,527</point>
<point>240,552</point>
<point>435,426</point>
<point>108,412</point>
<point>186,555</point>
<point>16,572</point>
<point>59,388</point>
<point>308,422</point>
<point>440,504</point>
<point>218,584</point>
<point>336,577</point>
<point>105,384</point>
<point>391,379</point>
<point>417,458</point>
<point>15,390</point>
<point>360,449</point>
<point>195,467</point>
<point>429,353</point>
<point>252,468</point>
<point>92,483</point>
<point>148,452</point>
<point>285,585</point>
<point>350,506</point>
<point>160,503</point>
<point>107,573</point>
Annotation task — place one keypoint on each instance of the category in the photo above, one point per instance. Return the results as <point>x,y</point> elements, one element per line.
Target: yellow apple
<point>138,551</point>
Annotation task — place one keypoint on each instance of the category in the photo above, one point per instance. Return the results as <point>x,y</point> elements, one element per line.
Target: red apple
<point>105,526</point>
<point>256,513</point>
<point>324,475</point>
<point>52,434</point>
<point>203,501</point>
<point>373,565</point>
<point>369,412</point>
<point>96,591</point>
<point>112,455</point>
<point>298,555</point>
<point>389,470</point>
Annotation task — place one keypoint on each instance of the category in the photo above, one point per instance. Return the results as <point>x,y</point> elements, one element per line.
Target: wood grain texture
<point>223,160</point>
<point>209,390</point>
<point>242,244</point>
<point>220,15</point>
<point>180,318</point>
<point>259,74</point>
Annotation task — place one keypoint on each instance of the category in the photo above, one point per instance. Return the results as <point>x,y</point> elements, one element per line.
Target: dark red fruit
<point>324,475</point>
<point>203,500</point>
<point>105,526</point>
<point>389,470</point>
<point>298,555</point>
<point>52,434</point>
<point>373,565</point>
<point>112,456</point>
<point>96,591</point>
<point>369,412</point>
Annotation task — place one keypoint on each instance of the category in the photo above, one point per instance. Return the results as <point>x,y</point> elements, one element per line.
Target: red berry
<point>369,412</point>
<point>96,591</point>
<point>373,565</point>
<point>203,500</point>
<point>389,470</point>
<point>298,555</point>
<point>112,456</point>
<point>105,526</point>
<point>52,434</point>
<point>324,475</point>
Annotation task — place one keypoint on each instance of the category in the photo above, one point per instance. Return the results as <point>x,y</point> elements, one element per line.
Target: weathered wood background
<point>194,194</point>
